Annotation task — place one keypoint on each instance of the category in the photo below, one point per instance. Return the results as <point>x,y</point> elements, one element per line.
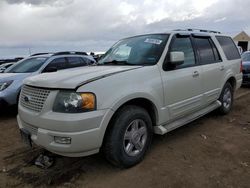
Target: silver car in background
<point>12,79</point>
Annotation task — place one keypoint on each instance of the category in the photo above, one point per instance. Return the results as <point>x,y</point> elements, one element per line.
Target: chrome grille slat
<point>37,98</point>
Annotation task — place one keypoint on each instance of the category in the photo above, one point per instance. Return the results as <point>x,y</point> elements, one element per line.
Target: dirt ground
<point>213,151</point>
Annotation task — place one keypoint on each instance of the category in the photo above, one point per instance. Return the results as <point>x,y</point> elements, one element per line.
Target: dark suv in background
<point>246,67</point>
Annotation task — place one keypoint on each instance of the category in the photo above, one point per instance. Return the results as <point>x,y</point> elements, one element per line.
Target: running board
<point>163,129</point>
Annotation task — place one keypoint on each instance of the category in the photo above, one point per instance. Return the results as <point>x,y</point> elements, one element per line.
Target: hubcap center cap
<point>136,137</point>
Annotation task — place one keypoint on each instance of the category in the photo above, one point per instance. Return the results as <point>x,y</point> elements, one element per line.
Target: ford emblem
<point>27,98</point>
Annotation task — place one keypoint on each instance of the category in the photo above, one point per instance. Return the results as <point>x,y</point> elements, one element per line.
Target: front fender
<point>114,91</point>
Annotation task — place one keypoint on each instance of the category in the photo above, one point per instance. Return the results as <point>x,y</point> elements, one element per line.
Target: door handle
<point>196,74</point>
<point>222,68</point>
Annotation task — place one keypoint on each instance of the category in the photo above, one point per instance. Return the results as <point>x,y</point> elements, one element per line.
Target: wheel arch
<point>143,102</point>
<point>232,81</point>
<point>230,78</point>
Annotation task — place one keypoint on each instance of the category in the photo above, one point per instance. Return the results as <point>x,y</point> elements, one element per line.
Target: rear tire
<point>129,137</point>
<point>226,99</point>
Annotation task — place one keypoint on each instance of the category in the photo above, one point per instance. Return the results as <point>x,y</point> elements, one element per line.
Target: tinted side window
<point>228,47</point>
<point>59,64</point>
<point>207,51</point>
<point>87,60</point>
<point>76,62</point>
<point>184,45</point>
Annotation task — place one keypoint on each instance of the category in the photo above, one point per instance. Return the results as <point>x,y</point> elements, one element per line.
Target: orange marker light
<point>88,101</point>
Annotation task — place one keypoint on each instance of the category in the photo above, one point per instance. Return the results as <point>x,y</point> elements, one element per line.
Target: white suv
<point>145,84</point>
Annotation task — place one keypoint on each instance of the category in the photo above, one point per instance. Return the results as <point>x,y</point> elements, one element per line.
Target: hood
<point>13,76</point>
<point>71,79</point>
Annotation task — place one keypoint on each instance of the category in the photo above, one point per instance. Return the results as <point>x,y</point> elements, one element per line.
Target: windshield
<point>140,50</point>
<point>246,57</point>
<point>27,65</point>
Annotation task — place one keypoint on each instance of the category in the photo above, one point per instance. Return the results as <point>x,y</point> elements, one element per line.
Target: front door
<point>182,83</point>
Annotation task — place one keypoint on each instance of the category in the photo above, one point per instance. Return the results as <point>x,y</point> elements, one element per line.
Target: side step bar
<point>163,129</point>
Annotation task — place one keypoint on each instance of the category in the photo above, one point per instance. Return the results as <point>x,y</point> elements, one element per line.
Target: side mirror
<point>177,58</point>
<point>50,69</point>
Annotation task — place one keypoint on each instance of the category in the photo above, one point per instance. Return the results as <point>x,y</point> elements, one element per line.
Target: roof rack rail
<point>70,53</point>
<point>199,30</point>
<point>39,54</point>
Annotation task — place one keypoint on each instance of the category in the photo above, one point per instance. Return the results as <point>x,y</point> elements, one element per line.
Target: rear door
<point>182,84</point>
<point>212,67</point>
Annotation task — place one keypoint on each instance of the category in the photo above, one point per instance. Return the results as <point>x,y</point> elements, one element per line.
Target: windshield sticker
<point>153,41</point>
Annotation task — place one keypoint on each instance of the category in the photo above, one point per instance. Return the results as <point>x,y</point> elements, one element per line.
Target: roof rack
<point>199,30</point>
<point>70,53</point>
<point>39,54</point>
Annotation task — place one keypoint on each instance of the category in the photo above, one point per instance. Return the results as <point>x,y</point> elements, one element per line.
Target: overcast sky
<point>94,25</point>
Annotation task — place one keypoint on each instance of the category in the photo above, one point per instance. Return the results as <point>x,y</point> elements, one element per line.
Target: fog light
<point>62,140</point>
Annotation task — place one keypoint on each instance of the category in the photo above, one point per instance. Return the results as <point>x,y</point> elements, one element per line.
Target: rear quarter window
<point>230,50</point>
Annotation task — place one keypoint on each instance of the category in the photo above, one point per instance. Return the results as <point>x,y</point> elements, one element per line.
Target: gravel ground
<point>213,151</point>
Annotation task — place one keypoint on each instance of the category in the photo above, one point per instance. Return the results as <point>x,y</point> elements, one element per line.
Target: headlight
<point>72,102</point>
<point>4,85</point>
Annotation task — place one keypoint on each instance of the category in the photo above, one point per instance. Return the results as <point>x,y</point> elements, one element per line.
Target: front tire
<point>226,99</point>
<point>129,136</point>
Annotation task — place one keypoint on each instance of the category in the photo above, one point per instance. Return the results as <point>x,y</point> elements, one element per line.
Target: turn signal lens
<point>88,101</point>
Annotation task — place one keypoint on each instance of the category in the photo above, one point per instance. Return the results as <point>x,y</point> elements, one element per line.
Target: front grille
<point>33,98</point>
<point>32,130</point>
